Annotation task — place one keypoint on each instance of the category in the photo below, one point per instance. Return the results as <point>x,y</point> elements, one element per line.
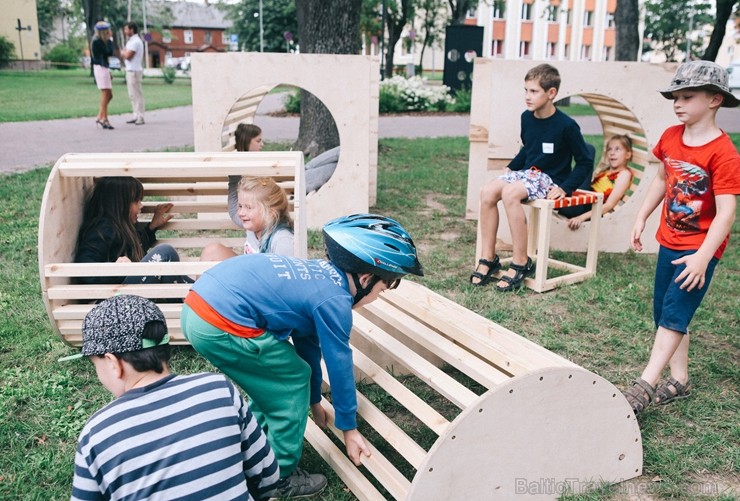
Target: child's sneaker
<point>299,484</point>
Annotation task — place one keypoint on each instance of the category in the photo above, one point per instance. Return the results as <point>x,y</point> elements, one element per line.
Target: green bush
<point>293,102</point>
<point>169,73</point>
<point>63,56</point>
<point>462,101</point>
<point>7,51</point>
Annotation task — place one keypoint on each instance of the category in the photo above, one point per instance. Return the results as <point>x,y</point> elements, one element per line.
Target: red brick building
<point>195,28</point>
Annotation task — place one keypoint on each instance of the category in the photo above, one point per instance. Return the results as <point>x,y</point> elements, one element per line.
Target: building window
<point>225,38</point>
<point>166,36</point>
<point>498,48</point>
<point>208,37</point>
<point>588,17</point>
<point>607,54</point>
<point>551,12</point>
<point>610,20</point>
<point>552,49</point>
<point>524,50</point>
<point>567,51</point>
<point>499,9</point>
<point>188,34</point>
<point>586,53</point>
<point>568,12</point>
<point>526,12</point>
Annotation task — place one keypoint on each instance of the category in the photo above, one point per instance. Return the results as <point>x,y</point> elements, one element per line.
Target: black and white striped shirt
<point>182,437</point>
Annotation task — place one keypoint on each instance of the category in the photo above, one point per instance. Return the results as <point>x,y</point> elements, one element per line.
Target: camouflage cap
<point>116,326</point>
<point>706,75</point>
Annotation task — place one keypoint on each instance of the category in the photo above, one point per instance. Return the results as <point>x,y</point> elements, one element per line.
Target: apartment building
<point>572,30</point>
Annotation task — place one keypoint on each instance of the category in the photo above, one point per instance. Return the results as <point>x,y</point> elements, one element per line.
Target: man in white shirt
<point>133,55</point>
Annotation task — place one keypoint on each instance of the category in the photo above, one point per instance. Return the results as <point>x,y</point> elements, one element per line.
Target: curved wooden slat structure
<point>515,418</point>
<point>181,178</point>
<point>625,98</point>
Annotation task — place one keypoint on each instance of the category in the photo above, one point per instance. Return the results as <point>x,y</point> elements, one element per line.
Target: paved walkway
<point>25,145</point>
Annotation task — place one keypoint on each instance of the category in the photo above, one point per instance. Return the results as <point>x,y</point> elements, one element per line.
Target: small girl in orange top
<point>613,177</point>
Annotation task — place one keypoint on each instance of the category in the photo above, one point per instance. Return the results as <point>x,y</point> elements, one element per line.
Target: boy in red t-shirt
<point>697,182</point>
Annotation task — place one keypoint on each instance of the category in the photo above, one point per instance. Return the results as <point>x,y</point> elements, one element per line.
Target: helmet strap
<point>363,291</point>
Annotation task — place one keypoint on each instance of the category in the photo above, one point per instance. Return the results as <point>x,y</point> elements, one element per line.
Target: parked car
<point>114,63</point>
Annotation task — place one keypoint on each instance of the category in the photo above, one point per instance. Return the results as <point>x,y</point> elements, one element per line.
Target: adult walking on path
<point>101,50</point>
<point>133,55</point>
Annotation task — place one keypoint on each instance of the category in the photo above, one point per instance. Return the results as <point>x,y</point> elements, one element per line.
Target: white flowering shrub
<point>399,94</point>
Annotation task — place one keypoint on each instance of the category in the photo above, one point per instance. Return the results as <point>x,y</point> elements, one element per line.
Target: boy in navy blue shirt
<point>541,169</point>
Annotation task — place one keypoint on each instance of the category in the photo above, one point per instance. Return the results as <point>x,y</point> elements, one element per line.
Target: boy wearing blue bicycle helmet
<point>240,314</point>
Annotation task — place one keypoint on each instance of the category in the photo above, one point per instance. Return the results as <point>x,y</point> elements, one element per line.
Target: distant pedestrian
<point>133,56</point>
<point>101,49</point>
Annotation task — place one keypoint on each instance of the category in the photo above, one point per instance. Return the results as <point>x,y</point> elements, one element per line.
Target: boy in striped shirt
<point>165,436</point>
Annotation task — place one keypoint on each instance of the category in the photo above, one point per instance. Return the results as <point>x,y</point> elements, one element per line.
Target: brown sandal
<point>670,389</point>
<point>639,395</point>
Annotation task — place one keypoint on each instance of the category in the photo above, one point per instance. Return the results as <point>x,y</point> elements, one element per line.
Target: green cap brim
<point>70,357</point>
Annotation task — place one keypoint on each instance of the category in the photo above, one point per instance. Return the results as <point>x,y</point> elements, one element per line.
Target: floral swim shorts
<point>536,182</point>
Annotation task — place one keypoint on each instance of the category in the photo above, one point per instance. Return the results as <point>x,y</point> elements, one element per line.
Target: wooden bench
<point>499,416</point>
<point>197,185</point>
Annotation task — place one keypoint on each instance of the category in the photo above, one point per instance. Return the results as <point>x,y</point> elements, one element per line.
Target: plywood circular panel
<point>625,98</point>
<point>228,87</point>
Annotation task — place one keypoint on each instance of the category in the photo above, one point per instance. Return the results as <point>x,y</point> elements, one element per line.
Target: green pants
<point>272,374</point>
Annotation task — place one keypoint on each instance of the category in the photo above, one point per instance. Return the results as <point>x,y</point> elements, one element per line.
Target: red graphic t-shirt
<point>694,176</point>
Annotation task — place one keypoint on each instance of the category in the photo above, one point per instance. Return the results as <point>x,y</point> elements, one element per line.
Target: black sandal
<point>522,272</point>
<point>493,267</point>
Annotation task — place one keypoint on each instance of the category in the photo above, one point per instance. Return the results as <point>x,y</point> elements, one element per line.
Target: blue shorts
<point>536,182</point>
<point>673,307</point>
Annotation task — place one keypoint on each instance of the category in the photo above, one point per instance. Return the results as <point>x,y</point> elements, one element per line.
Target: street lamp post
<point>20,41</point>
<point>146,43</point>
<point>262,31</point>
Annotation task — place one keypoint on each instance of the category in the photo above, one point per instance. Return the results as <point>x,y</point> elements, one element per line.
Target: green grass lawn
<point>50,94</point>
<point>603,324</point>
<point>73,94</point>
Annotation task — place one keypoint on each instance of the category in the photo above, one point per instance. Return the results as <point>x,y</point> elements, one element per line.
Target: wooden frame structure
<point>626,101</point>
<point>532,418</point>
<point>539,228</point>
<point>228,88</point>
<point>180,178</point>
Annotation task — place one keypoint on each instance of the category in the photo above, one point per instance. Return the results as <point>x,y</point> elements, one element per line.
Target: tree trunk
<point>459,10</point>
<point>324,27</point>
<point>724,11</point>
<point>91,11</point>
<point>395,22</point>
<point>626,19</point>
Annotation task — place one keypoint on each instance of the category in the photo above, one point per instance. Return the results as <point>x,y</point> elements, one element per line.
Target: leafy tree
<point>433,22</point>
<point>724,11</point>
<point>460,10</point>
<point>626,19</point>
<point>324,27</point>
<point>47,11</point>
<point>667,24</point>
<point>371,21</point>
<point>398,13</point>
<point>7,51</point>
<point>279,18</point>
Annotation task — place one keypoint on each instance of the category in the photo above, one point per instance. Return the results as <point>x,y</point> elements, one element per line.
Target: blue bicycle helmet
<point>370,243</point>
